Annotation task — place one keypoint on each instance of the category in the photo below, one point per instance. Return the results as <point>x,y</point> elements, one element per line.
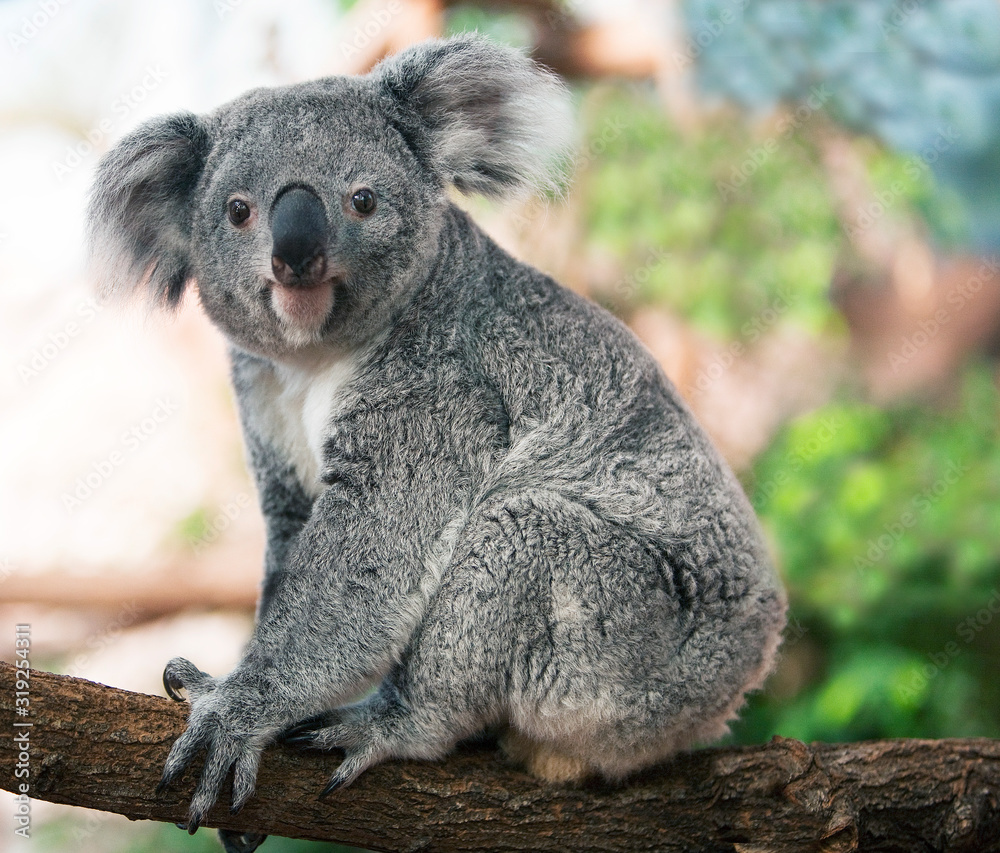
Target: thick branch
<point>103,748</point>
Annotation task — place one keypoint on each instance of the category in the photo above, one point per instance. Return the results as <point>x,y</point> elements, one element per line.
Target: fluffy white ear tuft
<point>485,118</point>
<point>140,210</point>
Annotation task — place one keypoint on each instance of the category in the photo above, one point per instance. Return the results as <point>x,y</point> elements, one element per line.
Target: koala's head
<point>304,213</point>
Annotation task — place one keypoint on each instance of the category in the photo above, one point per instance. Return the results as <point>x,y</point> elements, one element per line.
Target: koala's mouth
<point>303,307</point>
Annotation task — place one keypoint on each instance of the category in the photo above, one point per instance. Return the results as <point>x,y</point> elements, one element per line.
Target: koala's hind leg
<point>367,732</point>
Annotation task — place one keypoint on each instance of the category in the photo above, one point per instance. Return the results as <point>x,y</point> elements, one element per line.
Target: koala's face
<point>312,217</point>
<point>307,213</point>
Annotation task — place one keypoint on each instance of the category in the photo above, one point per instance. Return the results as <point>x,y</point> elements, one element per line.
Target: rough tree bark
<point>103,748</point>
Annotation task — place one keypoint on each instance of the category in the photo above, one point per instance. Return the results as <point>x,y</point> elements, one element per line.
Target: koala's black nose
<point>299,230</point>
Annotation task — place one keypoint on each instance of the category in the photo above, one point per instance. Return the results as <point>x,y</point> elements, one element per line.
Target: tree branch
<point>103,748</point>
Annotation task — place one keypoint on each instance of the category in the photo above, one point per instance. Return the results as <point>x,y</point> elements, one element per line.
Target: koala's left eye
<point>363,201</point>
<point>239,211</point>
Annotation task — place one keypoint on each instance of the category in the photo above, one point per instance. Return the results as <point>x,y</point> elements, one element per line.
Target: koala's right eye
<point>239,212</point>
<point>363,201</point>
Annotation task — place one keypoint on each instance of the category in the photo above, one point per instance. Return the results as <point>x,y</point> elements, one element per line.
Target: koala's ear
<point>483,117</point>
<point>141,209</point>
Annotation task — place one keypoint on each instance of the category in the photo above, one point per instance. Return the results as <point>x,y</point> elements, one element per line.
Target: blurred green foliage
<point>886,523</point>
<point>907,183</point>
<point>716,224</point>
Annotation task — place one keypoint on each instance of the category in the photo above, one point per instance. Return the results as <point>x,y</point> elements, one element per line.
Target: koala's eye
<point>363,201</point>
<point>239,211</point>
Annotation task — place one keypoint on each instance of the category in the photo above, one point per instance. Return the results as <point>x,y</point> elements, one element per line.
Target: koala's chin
<point>302,311</point>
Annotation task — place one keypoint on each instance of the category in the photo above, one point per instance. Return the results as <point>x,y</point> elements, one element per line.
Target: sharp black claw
<point>171,684</point>
<point>193,824</point>
<point>298,732</point>
<point>305,737</point>
<point>333,785</point>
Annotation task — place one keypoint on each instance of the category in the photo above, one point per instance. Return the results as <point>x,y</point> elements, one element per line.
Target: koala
<point>486,506</point>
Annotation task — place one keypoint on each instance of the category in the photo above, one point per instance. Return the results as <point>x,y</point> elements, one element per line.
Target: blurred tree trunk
<point>103,748</point>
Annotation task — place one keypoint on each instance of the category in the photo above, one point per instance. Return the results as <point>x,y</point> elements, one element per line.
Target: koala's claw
<point>345,729</point>
<point>305,734</point>
<point>180,674</point>
<point>334,783</point>
<point>350,768</point>
<point>172,685</point>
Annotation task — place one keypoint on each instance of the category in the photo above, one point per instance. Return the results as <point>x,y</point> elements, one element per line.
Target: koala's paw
<point>180,674</point>
<point>347,730</point>
<point>221,724</point>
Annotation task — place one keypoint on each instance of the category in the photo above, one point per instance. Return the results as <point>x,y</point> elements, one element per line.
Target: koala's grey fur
<point>484,500</point>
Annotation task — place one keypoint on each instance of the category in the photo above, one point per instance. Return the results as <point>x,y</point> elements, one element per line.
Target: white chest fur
<point>296,402</point>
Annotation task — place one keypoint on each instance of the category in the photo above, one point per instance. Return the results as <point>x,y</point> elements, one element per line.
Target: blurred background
<point>796,205</point>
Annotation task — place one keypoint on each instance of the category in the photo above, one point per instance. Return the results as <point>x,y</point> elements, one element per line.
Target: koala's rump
<point>564,626</point>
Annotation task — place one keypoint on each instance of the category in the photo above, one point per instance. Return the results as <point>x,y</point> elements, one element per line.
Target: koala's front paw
<point>223,723</point>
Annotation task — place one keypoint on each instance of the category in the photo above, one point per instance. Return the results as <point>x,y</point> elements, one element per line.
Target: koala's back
<point>602,585</point>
